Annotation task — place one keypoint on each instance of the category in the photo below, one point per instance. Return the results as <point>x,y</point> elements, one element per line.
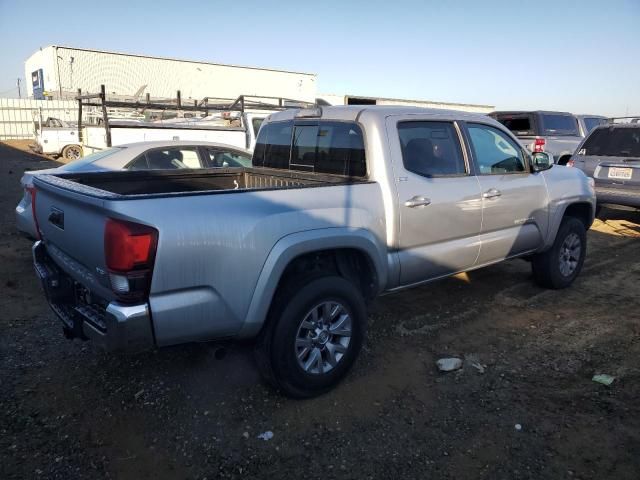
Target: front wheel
<point>559,266</point>
<point>313,337</point>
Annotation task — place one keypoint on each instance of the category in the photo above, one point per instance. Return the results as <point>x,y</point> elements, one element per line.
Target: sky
<point>578,56</point>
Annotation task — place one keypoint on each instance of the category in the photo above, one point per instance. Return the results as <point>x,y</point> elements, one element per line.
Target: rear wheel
<point>72,152</point>
<point>313,336</point>
<point>559,266</point>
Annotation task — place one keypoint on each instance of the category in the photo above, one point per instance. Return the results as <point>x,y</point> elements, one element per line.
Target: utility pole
<point>19,93</point>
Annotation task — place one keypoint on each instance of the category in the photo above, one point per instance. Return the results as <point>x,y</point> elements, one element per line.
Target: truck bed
<point>163,182</point>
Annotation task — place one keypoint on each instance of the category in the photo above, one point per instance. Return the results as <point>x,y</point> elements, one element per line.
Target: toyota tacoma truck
<point>340,205</point>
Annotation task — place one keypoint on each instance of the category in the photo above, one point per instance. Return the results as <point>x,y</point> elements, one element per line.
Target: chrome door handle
<point>417,201</point>
<point>492,193</point>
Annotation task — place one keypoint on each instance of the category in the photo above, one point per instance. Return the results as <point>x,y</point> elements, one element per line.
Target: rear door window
<point>222,158</point>
<point>558,124</point>
<point>613,142</point>
<point>431,149</point>
<point>173,158</point>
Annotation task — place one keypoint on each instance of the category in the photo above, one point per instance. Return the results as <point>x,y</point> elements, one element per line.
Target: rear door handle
<point>417,201</point>
<point>492,193</point>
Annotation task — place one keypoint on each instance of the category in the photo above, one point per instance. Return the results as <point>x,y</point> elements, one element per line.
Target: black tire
<point>546,266</point>
<point>72,152</point>
<point>275,350</point>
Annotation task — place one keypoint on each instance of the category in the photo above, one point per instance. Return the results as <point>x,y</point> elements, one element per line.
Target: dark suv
<point>611,155</point>
<point>557,133</point>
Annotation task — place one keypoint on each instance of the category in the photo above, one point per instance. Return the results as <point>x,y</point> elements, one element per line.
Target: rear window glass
<point>273,145</point>
<point>518,124</point>
<point>613,142</point>
<point>323,147</point>
<point>554,124</point>
<point>82,162</point>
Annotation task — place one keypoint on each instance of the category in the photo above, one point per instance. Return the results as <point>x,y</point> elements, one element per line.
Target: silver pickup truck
<point>341,204</point>
<point>557,133</point>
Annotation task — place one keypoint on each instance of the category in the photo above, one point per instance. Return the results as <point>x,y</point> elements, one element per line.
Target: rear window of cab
<point>312,146</point>
<point>558,124</point>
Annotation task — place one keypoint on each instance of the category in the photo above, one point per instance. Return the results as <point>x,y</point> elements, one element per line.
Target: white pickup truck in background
<point>59,138</point>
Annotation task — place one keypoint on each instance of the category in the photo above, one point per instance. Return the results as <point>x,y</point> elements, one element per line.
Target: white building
<point>59,72</point>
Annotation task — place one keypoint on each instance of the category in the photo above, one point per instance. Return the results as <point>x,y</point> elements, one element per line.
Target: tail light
<point>32,191</point>
<point>538,145</point>
<point>129,251</point>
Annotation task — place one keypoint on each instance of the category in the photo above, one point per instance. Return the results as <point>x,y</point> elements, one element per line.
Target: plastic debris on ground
<point>604,379</point>
<point>268,435</point>
<point>449,364</point>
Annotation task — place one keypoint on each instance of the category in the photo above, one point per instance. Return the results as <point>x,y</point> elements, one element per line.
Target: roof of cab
<point>523,112</point>
<point>352,112</point>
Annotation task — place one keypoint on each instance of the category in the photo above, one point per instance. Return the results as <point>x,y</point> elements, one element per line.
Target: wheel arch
<point>583,210</point>
<point>345,245</point>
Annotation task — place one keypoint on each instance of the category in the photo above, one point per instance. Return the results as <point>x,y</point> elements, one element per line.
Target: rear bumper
<point>112,326</point>
<point>626,196</point>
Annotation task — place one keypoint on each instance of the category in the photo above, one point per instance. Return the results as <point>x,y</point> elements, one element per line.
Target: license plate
<point>621,173</point>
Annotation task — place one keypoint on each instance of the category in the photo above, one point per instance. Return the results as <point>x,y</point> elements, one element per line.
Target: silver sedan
<point>161,155</point>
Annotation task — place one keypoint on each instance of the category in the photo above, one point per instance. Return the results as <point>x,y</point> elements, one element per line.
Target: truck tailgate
<point>72,229</point>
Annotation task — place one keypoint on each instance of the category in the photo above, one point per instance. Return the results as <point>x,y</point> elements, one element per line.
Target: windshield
<point>555,124</point>
<point>82,162</point>
<point>613,142</point>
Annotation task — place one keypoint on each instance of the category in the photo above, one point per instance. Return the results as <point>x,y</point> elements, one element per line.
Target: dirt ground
<point>69,411</point>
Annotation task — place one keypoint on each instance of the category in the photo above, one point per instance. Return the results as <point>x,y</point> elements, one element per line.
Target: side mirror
<point>541,161</point>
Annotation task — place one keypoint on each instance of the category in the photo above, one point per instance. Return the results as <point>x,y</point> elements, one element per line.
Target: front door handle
<point>417,201</point>
<point>492,193</point>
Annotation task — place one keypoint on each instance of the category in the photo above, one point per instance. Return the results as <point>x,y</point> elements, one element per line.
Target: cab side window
<point>139,163</point>
<point>219,158</point>
<point>431,149</point>
<point>495,152</point>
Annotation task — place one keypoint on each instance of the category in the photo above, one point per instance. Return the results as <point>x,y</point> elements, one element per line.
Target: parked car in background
<point>587,123</point>
<point>340,205</point>
<point>167,155</point>
<point>557,133</point>
<point>611,155</point>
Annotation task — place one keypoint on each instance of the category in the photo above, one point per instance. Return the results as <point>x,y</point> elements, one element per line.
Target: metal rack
<point>206,105</point>
<point>633,119</point>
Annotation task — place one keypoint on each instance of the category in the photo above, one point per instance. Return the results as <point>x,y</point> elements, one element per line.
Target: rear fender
<point>292,246</point>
